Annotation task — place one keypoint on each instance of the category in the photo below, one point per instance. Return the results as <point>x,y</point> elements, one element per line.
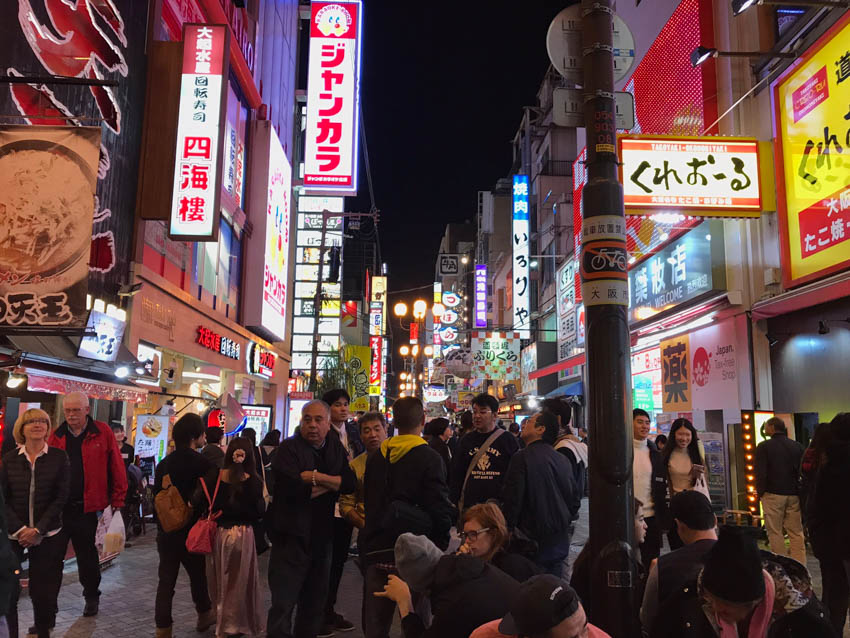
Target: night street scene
<point>374,319</point>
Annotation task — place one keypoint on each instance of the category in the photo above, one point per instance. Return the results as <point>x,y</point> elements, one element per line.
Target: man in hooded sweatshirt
<point>404,490</point>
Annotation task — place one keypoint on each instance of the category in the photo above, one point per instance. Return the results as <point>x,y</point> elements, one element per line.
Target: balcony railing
<point>557,168</point>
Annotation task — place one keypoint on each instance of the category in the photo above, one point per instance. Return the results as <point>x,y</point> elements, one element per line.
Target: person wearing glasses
<point>35,488</point>
<point>485,536</point>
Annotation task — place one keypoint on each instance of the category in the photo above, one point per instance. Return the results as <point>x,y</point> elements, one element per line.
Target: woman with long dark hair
<point>232,568</point>
<point>685,466</point>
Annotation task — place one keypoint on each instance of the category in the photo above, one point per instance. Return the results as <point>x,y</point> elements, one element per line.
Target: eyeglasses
<point>472,534</point>
<point>73,410</point>
<point>38,419</point>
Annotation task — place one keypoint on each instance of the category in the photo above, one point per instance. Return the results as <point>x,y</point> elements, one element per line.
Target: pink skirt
<point>233,580</point>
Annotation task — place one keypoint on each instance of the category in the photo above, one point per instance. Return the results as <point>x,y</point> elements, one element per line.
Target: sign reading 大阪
<point>521,266</point>
<point>812,129</point>
<point>333,84</point>
<point>679,273</point>
<point>713,175</point>
<point>495,355</point>
<point>197,168</point>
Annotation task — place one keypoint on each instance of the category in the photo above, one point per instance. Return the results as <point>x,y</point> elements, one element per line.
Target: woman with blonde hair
<point>485,536</point>
<point>35,480</point>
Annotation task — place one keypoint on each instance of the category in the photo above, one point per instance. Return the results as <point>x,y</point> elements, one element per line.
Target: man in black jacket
<point>777,483</point>
<point>404,491</point>
<point>212,450</point>
<point>540,496</point>
<point>311,469</point>
<point>650,487</point>
<point>184,468</point>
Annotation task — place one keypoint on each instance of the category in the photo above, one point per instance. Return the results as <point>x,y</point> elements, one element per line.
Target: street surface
<point>129,589</point>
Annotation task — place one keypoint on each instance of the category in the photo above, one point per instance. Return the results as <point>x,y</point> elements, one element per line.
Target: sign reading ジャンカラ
<point>48,176</point>
<point>812,122</point>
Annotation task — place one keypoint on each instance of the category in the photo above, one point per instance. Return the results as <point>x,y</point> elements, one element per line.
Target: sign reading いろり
<point>812,128</point>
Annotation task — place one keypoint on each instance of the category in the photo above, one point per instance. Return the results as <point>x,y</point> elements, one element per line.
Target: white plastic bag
<point>102,528</point>
<point>115,535</point>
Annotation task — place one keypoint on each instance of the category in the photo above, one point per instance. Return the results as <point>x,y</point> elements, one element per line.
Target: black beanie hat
<point>733,568</point>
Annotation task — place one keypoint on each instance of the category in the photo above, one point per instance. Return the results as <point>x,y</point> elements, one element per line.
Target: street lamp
<point>702,54</point>
<point>404,351</point>
<point>420,309</point>
<point>400,309</point>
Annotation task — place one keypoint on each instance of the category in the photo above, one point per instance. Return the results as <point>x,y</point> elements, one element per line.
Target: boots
<point>206,619</point>
<point>163,632</point>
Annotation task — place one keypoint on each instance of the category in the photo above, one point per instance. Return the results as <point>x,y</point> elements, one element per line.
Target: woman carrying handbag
<point>236,505</point>
<point>685,462</point>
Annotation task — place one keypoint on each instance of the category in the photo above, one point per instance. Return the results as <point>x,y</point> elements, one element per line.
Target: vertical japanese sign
<point>358,360</point>
<point>333,87</point>
<point>200,125</point>
<point>521,266</point>
<point>48,176</point>
<point>566,311</point>
<point>480,296</point>
<point>603,263</point>
<point>675,375</point>
<point>376,369</point>
<point>378,306</point>
<point>812,129</point>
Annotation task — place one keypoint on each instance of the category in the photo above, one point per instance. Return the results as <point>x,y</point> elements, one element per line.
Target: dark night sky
<point>442,89</point>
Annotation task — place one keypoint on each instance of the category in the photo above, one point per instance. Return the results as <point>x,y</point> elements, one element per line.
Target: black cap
<point>733,569</point>
<point>542,602</point>
<point>693,509</point>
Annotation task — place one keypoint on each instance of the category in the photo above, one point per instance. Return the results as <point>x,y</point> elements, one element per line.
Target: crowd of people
<point>458,533</point>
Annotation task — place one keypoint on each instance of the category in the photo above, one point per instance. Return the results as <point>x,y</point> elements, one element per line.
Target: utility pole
<point>319,296</point>
<point>604,283</point>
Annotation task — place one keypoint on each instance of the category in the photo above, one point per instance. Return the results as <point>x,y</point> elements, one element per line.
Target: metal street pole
<point>604,278</point>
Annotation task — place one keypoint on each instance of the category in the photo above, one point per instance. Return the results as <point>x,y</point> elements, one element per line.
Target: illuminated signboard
<point>379,296</point>
<point>712,175</point>
<point>481,295</point>
<point>104,346</point>
<point>215,342</point>
<point>813,139</point>
<point>521,275</point>
<point>197,169</point>
<point>333,86</point>
<point>267,272</point>
<point>258,417</point>
<point>260,361</point>
<point>376,369</point>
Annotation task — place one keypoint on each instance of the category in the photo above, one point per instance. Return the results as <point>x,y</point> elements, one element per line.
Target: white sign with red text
<point>333,85</point>
<point>197,167</point>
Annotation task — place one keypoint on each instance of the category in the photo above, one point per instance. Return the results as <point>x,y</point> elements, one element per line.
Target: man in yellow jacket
<point>373,432</point>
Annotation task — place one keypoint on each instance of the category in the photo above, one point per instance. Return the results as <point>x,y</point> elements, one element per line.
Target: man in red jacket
<point>98,479</point>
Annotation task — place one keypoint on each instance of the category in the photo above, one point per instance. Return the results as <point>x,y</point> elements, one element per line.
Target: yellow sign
<point>675,374</point>
<point>711,176</point>
<point>812,102</point>
<point>357,360</point>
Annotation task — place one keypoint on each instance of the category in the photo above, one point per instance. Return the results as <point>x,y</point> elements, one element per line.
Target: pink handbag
<point>202,535</point>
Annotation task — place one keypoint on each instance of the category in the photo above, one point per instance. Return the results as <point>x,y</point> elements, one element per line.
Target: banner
<point>675,375</point>
<point>151,436</point>
<point>357,361</point>
<point>48,176</point>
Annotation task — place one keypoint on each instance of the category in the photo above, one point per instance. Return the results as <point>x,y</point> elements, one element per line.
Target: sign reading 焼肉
<point>812,129</point>
<point>713,175</point>
<point>333,85</point>
<point>196,189</point>
<point>521,267</point>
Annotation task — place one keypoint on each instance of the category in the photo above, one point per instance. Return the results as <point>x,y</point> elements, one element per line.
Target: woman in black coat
<point>35,480</point>
<point>437,433</point>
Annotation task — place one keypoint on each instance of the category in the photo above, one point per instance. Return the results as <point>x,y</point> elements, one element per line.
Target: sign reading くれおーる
<point>691,173</point>
<point>495,355</point>
<point>196,188</point>
<point>812,128</point>
<point>333,85</point>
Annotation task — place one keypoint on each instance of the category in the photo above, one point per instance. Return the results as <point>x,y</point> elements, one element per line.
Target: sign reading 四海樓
<point>712,175</point>
<point>812,129</point>
<point>196,187</point>
<point>679,273</point>
<point>333,87</point>
<point>521,267</point>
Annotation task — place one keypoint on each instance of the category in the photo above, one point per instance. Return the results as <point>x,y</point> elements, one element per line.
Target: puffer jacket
<point>49,496</point>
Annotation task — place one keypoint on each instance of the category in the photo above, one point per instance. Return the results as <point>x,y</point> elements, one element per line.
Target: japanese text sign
<point>376,369</point>
<point>812,129</point>
<point>333,85</point>
<point>197,167</point>
<point>521,258</point>
<point>215,342</point>
<point>258,417</point>
<point>675,376</point>
<point>495,355</point>
<point>260,361</point>
<point>679,273</point>
<point>706,174</point>
<point>481,295</point>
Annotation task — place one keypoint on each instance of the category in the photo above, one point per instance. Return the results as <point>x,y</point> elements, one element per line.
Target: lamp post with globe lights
<point>413,376</point>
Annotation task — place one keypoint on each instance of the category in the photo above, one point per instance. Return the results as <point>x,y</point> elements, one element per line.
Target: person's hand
<point>29,537</point>
<point>397,591</point>
<point>307,476</point>
<point>463,549</point>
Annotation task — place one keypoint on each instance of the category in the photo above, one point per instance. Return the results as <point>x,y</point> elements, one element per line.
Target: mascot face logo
<point>702,367</point>
<point>333,20</point>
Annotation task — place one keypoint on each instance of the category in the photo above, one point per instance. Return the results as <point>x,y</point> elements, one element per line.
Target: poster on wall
<point>358,360</point>
<point>152,436</point>
<point>258,417</point>
<point>528,364</point>
<point>714,367</point>
<point>675,378</point>
<point>48,176</point>
<point>108,333</point>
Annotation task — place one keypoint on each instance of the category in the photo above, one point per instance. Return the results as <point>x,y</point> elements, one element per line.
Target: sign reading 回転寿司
<point>197,168</point>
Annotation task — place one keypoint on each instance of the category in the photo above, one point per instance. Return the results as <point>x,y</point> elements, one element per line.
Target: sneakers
<point>206,620</point>
<point>326,631</point>
<point>91,608</point>
<point>337,622</point>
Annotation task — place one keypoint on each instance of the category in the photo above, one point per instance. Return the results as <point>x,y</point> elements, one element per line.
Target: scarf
<point>761,616</point>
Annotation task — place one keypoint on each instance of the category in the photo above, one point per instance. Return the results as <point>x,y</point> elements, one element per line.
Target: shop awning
<point>814,294</point>
<point>576,360</point>
<point>56,383</point>
<point>570,390</point>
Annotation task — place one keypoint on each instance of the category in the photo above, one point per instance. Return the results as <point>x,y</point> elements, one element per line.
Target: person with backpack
<point>569,444</point>
<point>175,481</point>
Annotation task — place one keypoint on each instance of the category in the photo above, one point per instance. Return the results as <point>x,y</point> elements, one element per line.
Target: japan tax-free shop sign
<point>196,189</point>
<point>333,86</point>
<point>812,129</point>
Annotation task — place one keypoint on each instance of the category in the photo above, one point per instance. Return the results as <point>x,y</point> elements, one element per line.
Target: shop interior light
<point>122,372</point>
<point>15,380</point>
<point>533,263</point>
<point>200,406</point>
<point>201,375</point>
<point>702,54</point>
<point>532,402</point>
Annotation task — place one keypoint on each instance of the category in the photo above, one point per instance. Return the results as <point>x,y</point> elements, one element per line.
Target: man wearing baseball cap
<point>545,606</point>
